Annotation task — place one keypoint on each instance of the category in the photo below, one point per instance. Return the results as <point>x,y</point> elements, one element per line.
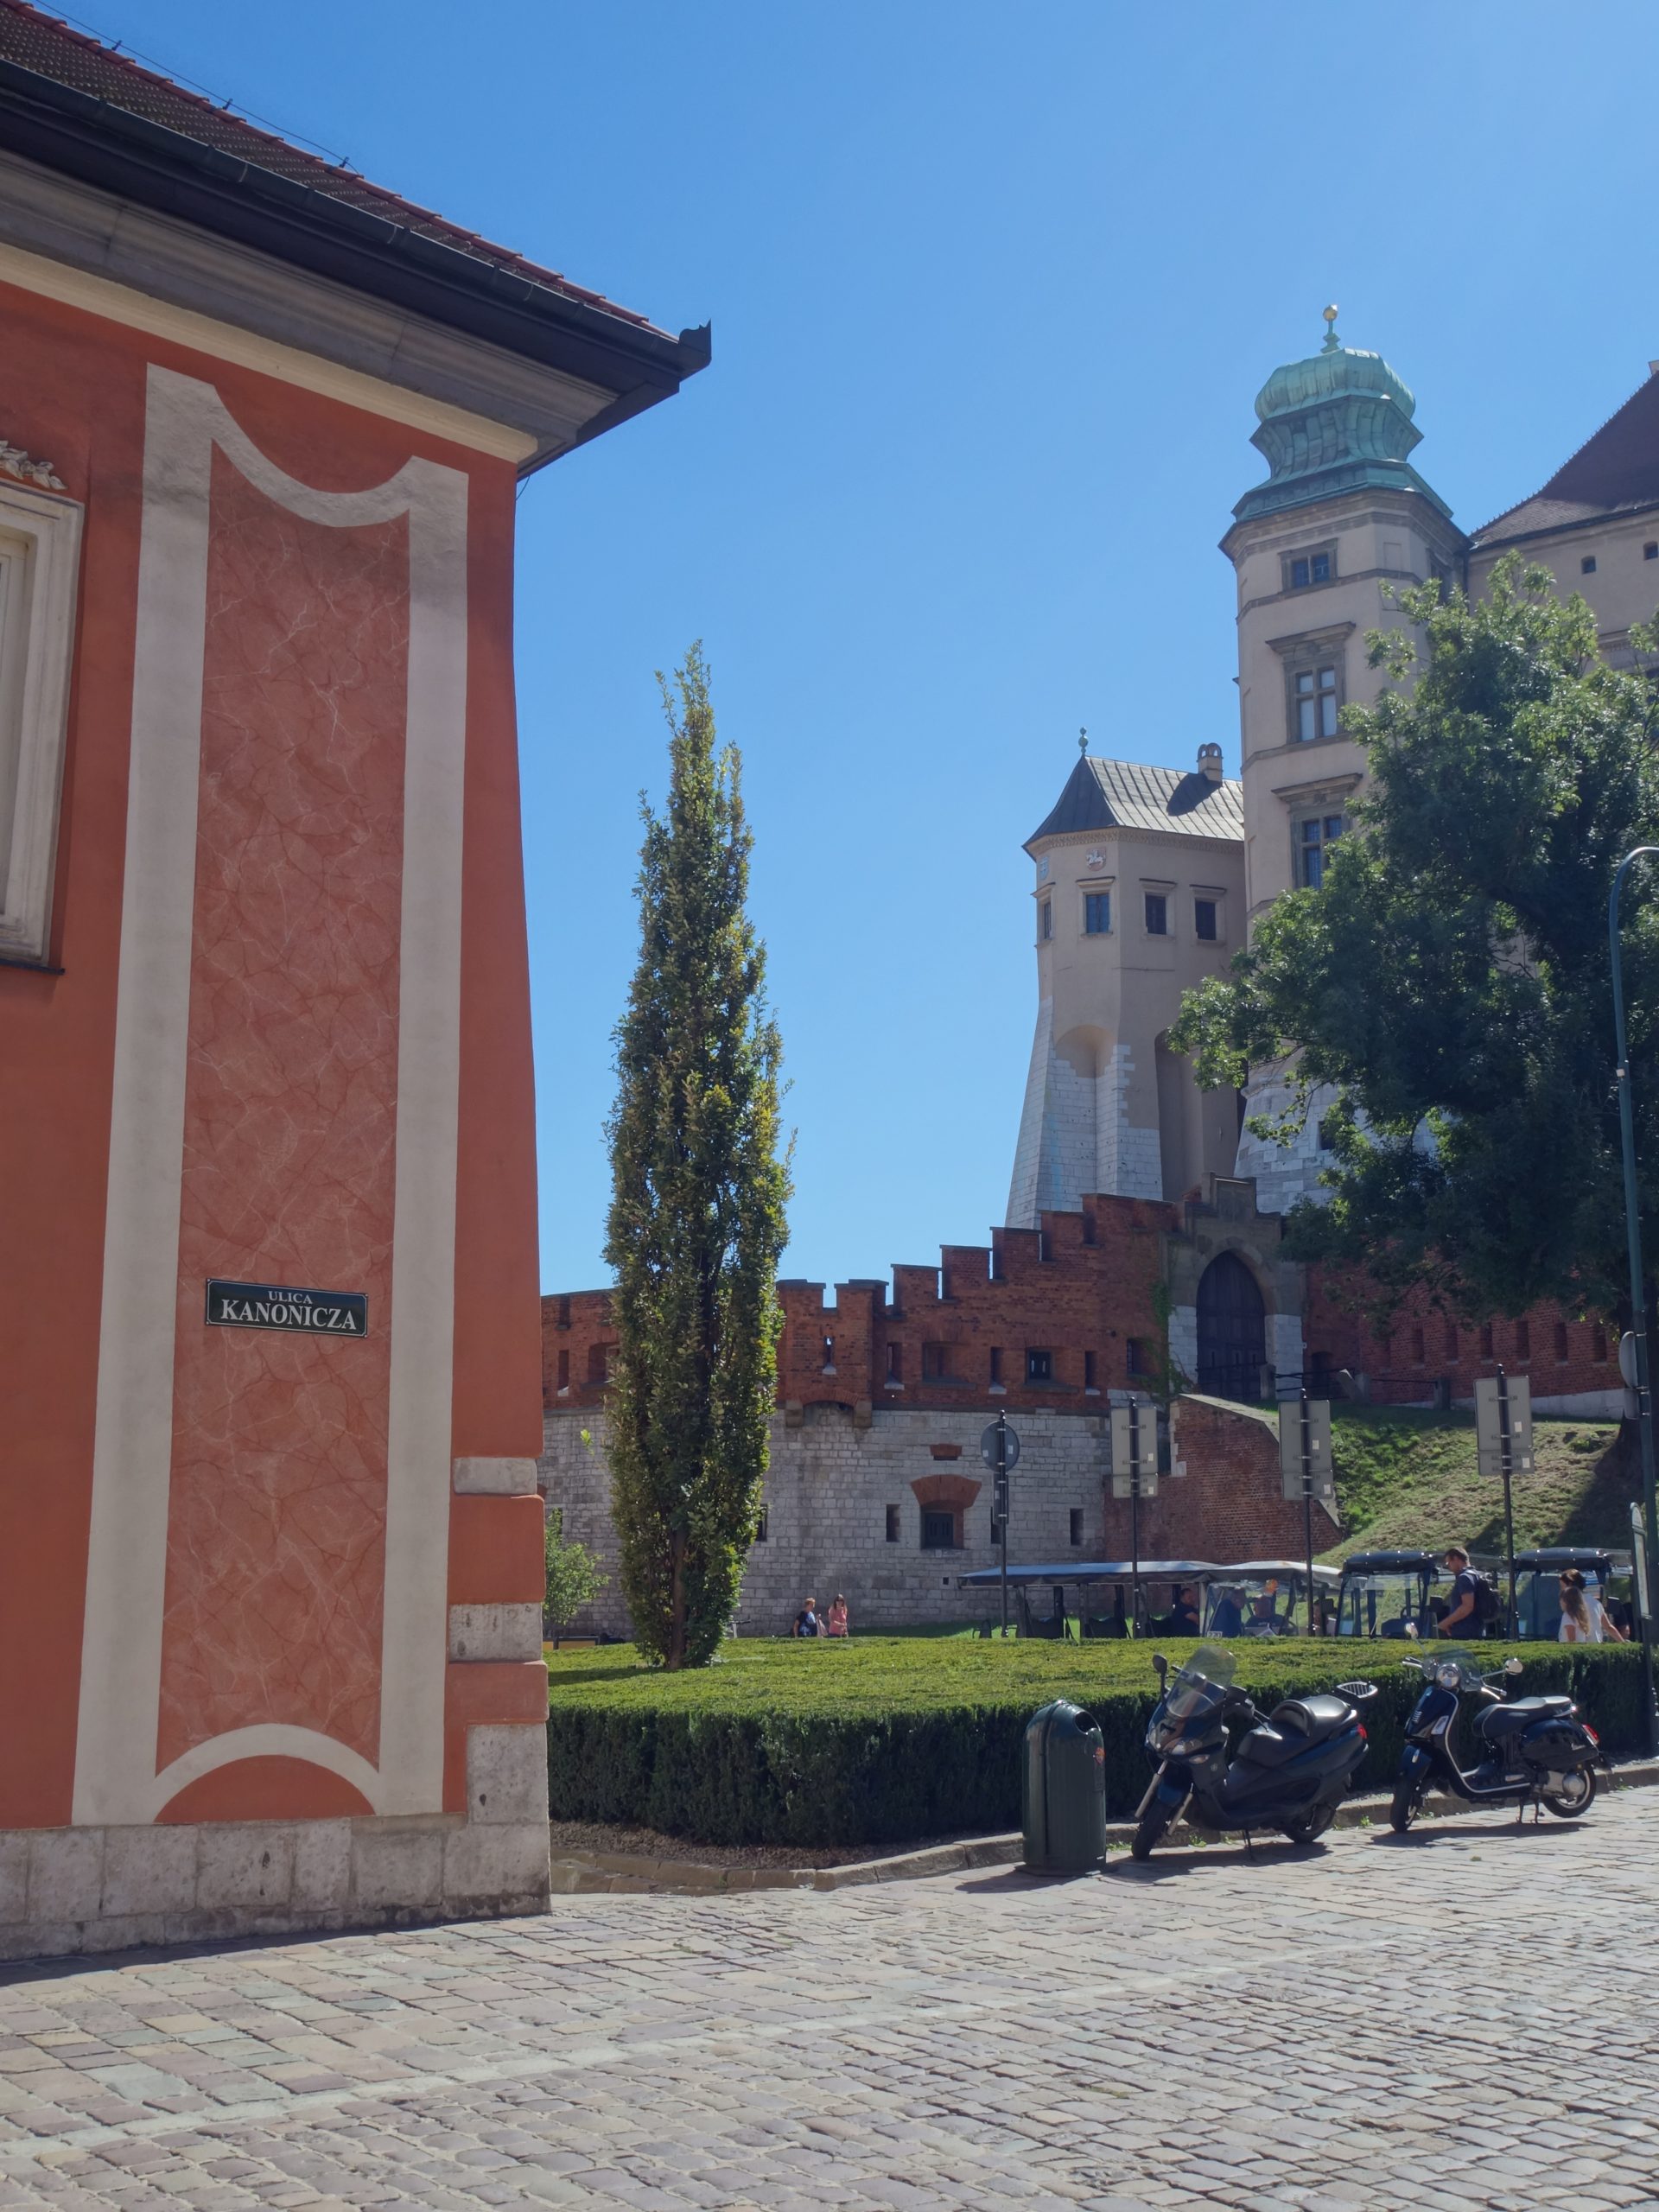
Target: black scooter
<point>1534,1750</point>
<point>1290,1772</point>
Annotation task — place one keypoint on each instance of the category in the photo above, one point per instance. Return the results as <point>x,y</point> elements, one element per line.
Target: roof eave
<point>160,169</point>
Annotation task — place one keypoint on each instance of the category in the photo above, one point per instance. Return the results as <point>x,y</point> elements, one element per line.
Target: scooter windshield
<point>1200,1685</point>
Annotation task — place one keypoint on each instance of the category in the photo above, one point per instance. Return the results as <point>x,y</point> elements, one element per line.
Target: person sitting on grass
<point>835,1621</point>
<point>806,1621</point>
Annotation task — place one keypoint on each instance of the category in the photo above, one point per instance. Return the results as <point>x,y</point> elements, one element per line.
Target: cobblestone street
<point>1471,2018</point>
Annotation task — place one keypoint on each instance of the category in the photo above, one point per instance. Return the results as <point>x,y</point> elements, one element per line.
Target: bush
<point>883,1741</point>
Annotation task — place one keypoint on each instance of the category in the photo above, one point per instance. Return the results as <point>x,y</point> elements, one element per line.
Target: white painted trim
<point>266,1739</point>
<point>40,647</point>
<point>77,288</point>
<point>121,1659</point>
<point>126,1564</point>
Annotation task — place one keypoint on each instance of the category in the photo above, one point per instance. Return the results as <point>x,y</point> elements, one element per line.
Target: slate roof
<point>1615,472</point>
<point>1130,795</point>
<point>33,40</point>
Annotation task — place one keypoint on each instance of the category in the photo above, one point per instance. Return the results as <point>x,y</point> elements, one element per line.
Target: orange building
<point>270,1624</point>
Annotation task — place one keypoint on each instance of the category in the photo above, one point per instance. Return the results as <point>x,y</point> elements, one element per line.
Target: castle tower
<point>1343,520</point>
<point>1138,894</point>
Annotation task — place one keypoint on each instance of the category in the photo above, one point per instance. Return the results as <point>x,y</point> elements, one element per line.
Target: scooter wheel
<point>1407,1803</point>
<point>1572,1793</point>
<point>1150,1832</point>
<point>1311,1829</point>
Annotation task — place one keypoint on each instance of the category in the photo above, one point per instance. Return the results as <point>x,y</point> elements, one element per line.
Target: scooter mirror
<point>1160,1665</point>
<point>1511,1666</point>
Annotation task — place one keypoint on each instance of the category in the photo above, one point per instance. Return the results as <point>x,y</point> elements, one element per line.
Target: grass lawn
<point>885,1675</point>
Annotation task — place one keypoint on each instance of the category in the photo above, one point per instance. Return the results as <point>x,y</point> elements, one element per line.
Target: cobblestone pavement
<point>1467,2018</point>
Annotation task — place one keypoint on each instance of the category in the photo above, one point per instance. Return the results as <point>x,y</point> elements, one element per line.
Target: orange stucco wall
<point>76,397</point>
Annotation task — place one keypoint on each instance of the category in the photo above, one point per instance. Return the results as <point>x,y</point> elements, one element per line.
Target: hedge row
<point>795,1754</point>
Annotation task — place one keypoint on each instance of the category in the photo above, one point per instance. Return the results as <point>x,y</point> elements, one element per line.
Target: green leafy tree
<point>573,1577</point>
<point>696,1219</point>
<point>1450,979</point>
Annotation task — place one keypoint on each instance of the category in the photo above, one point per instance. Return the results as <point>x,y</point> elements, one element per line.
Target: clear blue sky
<point>992,287</point>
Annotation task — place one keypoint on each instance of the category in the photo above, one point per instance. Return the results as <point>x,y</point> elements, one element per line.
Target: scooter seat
<point>1518,1715</point>
<point>1296,1724</point>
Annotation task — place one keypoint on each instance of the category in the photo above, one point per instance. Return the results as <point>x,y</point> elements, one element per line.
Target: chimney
<point>1653,368</point>
<point>1209,762</point>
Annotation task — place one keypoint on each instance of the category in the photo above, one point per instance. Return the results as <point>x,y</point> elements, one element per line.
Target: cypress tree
<point>696,1220</point>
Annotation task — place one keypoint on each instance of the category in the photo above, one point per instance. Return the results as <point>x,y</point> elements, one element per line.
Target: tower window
<point>1205,916</point>
<point>996,1364</point>
<point>1315,836</point>
<point>896,1365</point>
<point>1045,920</point>
<point>1089,1382</point>
<point>1309,569</point>
<point>1650,551</point>
<point>1157,914</point>
<point>1077,1528</point>
<point>1039,1367</point>
<point>893,1524</point>
<point>1587,566</point>
<point>1316,699</point>
<point>1096,912</point>
<point>760,1531</point>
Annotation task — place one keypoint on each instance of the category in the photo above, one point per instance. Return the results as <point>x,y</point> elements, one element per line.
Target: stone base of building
<point>65,1890</point>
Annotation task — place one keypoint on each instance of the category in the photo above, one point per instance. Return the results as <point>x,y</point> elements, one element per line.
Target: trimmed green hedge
<point>883,1741</point>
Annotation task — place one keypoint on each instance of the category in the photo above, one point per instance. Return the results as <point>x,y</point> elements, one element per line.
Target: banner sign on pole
<point>1319,1468</point>
<point>1134,1451</point>
<point>1503,1418</point>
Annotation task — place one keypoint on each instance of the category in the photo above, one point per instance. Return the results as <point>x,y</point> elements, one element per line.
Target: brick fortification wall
<point>1572,1362</point>
<point>1078,1292</point>
<point>1224,1501</point>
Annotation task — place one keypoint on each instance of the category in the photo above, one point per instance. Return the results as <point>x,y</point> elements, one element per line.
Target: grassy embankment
<point>1406,1479</point>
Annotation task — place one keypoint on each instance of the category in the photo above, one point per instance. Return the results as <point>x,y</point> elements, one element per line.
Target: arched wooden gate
<point>1232,1330</point>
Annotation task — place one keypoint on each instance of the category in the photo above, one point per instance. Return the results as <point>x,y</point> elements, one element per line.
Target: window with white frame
<point>1317,695</point>
<point>40,542</point>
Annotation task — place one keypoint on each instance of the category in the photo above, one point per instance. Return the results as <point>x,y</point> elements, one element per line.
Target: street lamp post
<point>1638,1296</point>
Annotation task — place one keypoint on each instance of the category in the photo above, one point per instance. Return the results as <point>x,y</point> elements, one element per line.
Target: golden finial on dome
<point>1329,346</point>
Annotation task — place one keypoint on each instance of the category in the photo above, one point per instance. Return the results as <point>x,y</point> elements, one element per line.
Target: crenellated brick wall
<point>1562,1355</point>
<point>1078,1292</point>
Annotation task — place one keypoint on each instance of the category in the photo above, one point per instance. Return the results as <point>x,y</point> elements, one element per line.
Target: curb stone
<point>625,1873</point>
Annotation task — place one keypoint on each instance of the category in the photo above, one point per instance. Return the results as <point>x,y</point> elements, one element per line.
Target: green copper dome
<point>1338,422</point>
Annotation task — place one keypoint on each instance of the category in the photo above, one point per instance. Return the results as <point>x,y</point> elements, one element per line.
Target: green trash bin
<point>1064,1794</point>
